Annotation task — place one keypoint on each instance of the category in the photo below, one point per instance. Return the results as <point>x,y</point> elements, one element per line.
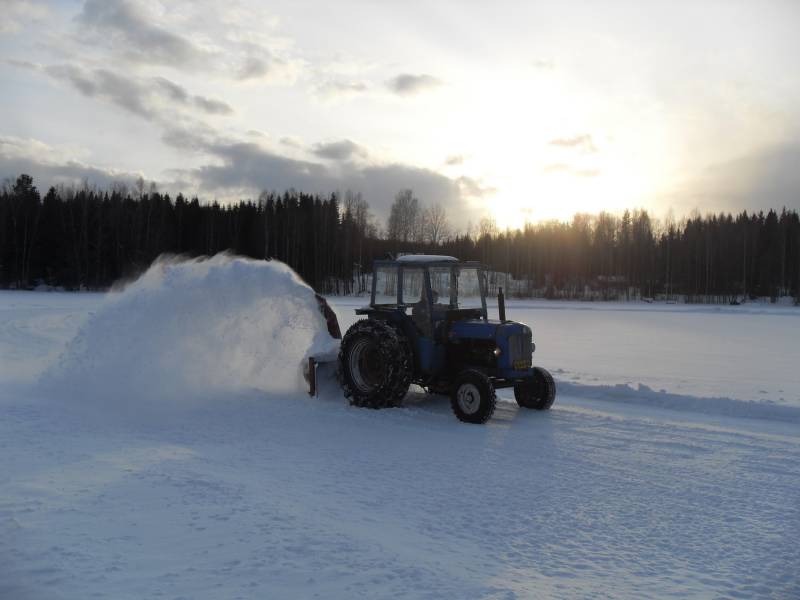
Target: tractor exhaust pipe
<point>501,304</point>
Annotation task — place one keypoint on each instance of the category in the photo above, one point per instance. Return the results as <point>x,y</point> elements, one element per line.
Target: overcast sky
<point>519,110</point>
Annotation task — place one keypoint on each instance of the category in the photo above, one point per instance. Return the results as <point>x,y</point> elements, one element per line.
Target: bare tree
<point>404,217</point>
<point>487,227</point>
<point>436,227</point>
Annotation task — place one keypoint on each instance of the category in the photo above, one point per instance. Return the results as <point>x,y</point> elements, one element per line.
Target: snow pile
<point>643,395</point>
<point>189,330</point>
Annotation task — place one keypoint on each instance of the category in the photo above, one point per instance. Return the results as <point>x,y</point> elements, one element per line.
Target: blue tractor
<point>427,324</point>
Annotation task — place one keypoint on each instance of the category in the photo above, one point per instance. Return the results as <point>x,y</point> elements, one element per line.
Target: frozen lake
<point>748,352</point>
<point>152,472</point>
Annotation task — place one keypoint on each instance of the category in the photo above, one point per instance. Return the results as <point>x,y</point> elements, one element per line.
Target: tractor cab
<point>427,323</point>
<point>430,289</point>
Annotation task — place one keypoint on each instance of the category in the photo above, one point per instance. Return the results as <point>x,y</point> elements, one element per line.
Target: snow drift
<point>189,330</point>
<point>643,395</point>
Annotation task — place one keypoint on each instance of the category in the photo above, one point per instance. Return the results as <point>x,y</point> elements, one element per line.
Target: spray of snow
<point>188,331</point>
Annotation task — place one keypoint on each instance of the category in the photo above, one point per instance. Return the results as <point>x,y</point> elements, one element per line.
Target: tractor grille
<point>520,349</point>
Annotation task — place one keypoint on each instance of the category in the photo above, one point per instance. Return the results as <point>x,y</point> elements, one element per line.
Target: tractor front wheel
<point>374,365</point>
<point>538,393</point>
<point>472,397</point>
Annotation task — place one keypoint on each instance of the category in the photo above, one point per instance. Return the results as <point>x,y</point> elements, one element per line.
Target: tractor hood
<point>510,343</point>
<point>476,329</point>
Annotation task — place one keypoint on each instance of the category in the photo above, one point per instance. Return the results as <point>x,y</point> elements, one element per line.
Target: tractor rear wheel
<point>472,397</point>
<point>538,393</point>
<point>374,365</point>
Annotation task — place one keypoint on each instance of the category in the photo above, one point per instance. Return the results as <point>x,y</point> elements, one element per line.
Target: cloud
<point>341,150</point>
<point>132,32</point>
<point>249,62</point>
<point>454,159</point>
<point>19,155</point>
<point>173,90</point>
<point>291,141</point>
<point>565,168</point>
<point>581,142</point>
<point>147,98</point>
<point>243,169</point>
<point>211,106</point>
<point>473,188</point>
<point>408,85</point>
<point>18,13</point>
<point>341,88</point>
<point>254,68</point>
<point>246,168</point>
<point>764,179</point>
<point>107,85</point>
<point>249,166</point>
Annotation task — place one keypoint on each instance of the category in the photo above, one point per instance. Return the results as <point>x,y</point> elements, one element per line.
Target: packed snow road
<point>294,497</point>
<point>250,492</point>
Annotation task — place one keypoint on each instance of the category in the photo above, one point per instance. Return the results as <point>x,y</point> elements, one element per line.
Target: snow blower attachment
<point>311,367</point>
<point>427,324</point>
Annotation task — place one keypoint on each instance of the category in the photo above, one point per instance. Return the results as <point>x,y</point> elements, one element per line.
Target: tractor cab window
<point>413,285</point>
<point>441,287</point>
<point>470,288</point>
<point>385,285</point>
<point>415,295</point>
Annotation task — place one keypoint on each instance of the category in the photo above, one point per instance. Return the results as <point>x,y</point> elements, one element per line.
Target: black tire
<point>374,365</point>
<point>538,393</point>
<point>404,374</point>
<point>472,397</point>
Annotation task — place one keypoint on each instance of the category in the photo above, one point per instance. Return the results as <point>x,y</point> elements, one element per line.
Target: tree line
<point>85,238</point>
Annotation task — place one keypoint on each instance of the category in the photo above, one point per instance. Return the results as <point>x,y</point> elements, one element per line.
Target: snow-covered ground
<point>227,481</point>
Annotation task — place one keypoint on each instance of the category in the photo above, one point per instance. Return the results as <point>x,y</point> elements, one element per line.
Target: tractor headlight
<point>497,352</point>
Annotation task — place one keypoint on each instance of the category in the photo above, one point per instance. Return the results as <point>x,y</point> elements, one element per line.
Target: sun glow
<point>549,148</point>
<point>560,195</point>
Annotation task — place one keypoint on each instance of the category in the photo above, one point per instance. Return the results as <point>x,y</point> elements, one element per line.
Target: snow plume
<point>190,331</point>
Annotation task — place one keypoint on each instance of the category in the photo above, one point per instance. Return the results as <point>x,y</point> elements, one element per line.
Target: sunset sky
<point>520,110</point>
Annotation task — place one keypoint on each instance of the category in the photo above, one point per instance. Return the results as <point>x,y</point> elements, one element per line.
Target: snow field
<point>205,471</point>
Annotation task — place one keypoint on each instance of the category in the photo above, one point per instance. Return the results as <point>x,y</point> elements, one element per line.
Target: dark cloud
<point>107,85</point>
<point>47,174</point>
<point>173,90</point>
<point>768,178</point>
<point>407,85</point>
<point>341,150</point>
<point>77,77</point>
<point>248,165</point>
<point>580,142</point>
<point>147,98</point>
<point>131,32</point>
<point>248,168</point>
<point>211,106</point>
<point>254,68</point>
<point>261,64</point>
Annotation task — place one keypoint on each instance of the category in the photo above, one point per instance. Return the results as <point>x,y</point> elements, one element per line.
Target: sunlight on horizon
<point>561,195</point>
